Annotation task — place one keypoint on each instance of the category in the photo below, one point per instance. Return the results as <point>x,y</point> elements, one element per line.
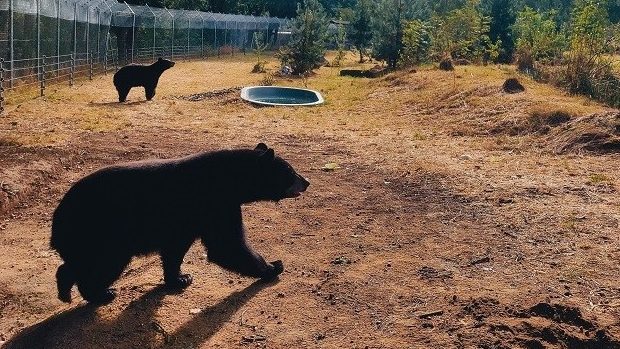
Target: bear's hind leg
<point>95,278</point>
<point>171,258</point>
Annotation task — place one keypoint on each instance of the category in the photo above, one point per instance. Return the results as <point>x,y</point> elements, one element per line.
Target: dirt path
<point>434,232</point>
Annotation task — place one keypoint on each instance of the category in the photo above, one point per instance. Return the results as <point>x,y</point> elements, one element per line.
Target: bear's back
<point>134,75</point>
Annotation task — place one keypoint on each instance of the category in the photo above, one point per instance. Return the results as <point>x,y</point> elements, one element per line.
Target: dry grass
<point>424,187</point>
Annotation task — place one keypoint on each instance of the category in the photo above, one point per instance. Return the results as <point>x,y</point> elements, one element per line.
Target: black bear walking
<point>135,75</point>
<point>163,206</point>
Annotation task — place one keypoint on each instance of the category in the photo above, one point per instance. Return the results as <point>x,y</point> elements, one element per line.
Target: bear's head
<point>163,64</point>
<point>275,179</point>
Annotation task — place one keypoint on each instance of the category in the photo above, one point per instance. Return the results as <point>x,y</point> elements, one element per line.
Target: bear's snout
<point>299,186</point>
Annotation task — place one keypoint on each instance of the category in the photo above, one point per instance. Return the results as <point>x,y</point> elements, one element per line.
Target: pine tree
<point>361,27</point>
<point>388,32</point>
<point>307,46</point>
<point>503,18</point>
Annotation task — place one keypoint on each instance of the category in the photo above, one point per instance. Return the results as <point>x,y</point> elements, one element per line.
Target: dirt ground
<point>452,215</point>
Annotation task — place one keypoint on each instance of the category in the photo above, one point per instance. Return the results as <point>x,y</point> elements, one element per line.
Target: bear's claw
<point>277,269</point>
<point>181,282</point>
<point>102,298</point>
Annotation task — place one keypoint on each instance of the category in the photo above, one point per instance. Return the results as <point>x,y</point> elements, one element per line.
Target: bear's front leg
<point>171,258</point>
<point>227,247</point>
<point>122,93</point>
<point>149,91</point>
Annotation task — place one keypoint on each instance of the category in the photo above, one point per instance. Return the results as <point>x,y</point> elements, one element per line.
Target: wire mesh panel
<point>54,41</point>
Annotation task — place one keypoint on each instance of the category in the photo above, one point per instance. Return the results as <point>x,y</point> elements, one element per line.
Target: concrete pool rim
<point>247,96</point>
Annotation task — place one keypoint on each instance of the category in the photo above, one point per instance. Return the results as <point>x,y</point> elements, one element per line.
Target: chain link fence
<point>45,42</point>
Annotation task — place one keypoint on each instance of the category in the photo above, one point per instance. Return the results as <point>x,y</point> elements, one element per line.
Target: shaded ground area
<point>457,216</point>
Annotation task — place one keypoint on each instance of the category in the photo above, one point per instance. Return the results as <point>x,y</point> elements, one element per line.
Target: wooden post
<point>42,69</point>
<point>90,68</point>
<point>1,86</point>
<point>72,69</point>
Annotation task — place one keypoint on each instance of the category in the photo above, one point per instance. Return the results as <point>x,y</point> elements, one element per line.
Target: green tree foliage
<point>333,8</point>
<point>361,27</point>
<point>587,69</point>
<point>614,11</point>
<point>277,8</point>
<point>307,46</point>
<point>388,32</point>
<point>588,30</point>
<point>537,35</point>
<point>341,40</point>
<point>416,43</point>
<point>561,8</point>
<point>462,33</point>
<point>502,15</point>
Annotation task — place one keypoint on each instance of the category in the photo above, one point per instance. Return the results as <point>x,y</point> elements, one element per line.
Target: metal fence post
<point>98,35</point>
<point>154,22</point>
<point>87,31</point>
<point>11,43</point>
<point>38,37</point>
<point>58,38</point>
<point>74,32</point>
<point>105,54</point>
<point>172,39</point>
<point>71,71</point>
<point>202,35</point>
<point>42,76</point>
<point>188,31</point>
<point>133,29</point>
<point>215,37</point>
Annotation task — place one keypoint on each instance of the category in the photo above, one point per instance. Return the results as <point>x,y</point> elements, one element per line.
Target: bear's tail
<point>65,279</point>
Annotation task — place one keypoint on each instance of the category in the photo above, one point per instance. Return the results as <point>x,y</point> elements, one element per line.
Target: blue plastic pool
<point>277,95</point>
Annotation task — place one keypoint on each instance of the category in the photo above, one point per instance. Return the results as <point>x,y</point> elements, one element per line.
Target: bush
<point>388,33</point>
<point>361,27</point>
<point>341,39</point>
<point>307,46</point>
<point>537,37</point>
<point>462,33</point>
<point>416,43</point>
<point>587,70</point>
<point>259,47</point>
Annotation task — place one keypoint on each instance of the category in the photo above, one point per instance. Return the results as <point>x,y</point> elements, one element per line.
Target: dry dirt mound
<point>513,85</point>
<point>23,171</point>
<point>538,122</point>
<point>597,133</point>
<point>446,64</point>
<point>564,132</point>
<point>543,325</point>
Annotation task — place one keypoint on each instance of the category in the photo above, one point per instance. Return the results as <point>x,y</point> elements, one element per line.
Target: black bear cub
<point>135,75</point>
<point>163,206</point>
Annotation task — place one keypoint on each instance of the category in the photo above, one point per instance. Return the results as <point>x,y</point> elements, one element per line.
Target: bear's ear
<point>160,59</point>
<point>268,155</point>
<point>262,147</point>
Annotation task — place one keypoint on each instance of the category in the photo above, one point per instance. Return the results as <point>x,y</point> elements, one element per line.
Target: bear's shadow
<point>118,104</point>
<point>136,326</point>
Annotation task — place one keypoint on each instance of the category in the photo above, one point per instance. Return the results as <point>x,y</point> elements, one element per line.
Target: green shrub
<point>462,33</point>
<point>387,38</point>
<point>306,49</point>
<point>416,43</point>
<point>341,40</point>
<point>587,70</point>
<point>536,34</point>
<point>361,28</point>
